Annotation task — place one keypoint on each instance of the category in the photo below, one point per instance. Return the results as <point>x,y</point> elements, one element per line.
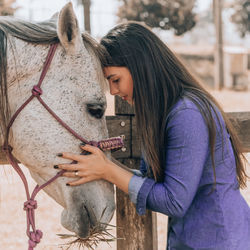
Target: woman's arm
<point>186,153</point>
<point>119,175</point>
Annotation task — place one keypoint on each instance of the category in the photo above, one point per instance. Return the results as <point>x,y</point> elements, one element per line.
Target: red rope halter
<point>30,205</point>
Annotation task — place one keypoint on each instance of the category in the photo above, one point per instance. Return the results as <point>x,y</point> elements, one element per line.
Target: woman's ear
<point>68,30</point>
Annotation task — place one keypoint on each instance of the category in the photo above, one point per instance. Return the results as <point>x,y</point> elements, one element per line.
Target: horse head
<point>74,89</point>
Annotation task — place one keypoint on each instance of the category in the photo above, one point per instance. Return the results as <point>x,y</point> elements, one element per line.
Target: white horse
<point>74,89</point>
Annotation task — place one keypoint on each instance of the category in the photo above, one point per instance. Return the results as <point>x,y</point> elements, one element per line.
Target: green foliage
<point>165,14</point>
<point>6,8</point>
<point>241,16</point>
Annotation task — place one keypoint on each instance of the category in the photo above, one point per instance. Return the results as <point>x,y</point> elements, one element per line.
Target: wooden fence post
<point>137,232</point>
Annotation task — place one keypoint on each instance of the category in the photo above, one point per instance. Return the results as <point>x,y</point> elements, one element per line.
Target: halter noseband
<point>31,204</point>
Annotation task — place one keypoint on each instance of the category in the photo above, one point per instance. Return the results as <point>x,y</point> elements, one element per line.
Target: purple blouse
<point>198,219</point>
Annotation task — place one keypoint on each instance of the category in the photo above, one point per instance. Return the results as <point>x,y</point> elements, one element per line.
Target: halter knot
<point>113,143</point>
<point>7,148</point>
<point>30,204</point>
<point>34,238</point>
<point>36,91</point>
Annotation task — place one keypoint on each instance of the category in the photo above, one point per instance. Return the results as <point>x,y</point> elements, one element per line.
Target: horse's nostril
<point>96,110</point>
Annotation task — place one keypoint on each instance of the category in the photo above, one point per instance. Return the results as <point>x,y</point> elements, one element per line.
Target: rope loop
<point>30,204</point>
<point>35,238</point>
<point>36,91</point>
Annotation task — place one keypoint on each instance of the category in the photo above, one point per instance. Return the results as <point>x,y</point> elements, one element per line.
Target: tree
<point>86,7</point>
<point>241,16</point>
<point>6,8</point>
<point>177,15</point>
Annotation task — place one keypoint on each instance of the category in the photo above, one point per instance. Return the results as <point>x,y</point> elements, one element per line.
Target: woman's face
<point>120,82</point>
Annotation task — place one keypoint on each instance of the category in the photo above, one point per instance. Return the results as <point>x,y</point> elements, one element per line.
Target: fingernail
<point>67,184</point>
<point>82,143</point>
<point>60,154</point>
<point>56,166</point>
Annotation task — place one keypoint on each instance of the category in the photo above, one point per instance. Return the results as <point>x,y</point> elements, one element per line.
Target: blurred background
<point>203,32</point>
<point>212,37</point>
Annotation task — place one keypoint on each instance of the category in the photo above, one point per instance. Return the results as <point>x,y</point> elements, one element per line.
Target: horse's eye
<point>96,110</point>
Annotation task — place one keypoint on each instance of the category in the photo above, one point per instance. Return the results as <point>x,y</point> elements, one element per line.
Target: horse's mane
<point>37,33</point>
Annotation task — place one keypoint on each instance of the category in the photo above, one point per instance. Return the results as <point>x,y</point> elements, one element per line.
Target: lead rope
<point>30,205</point>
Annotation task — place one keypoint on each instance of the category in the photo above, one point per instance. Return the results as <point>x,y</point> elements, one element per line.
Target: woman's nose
<point>113,89</point>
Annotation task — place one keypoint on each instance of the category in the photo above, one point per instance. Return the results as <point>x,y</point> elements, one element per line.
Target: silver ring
<point>76,173</point>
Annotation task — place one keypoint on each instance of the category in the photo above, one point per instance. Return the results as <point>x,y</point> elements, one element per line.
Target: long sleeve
<point>186,153</point>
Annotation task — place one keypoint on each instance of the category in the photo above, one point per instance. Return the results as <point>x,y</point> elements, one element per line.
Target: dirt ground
<point>12,217</point>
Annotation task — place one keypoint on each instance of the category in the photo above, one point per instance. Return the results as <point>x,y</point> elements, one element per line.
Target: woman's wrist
<point>108,170</point>
<point>118,176</point>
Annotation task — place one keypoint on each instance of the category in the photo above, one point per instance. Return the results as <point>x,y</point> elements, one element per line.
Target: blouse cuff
<point>137,172</point>
<point>143,195</point>
<point>134,186</point>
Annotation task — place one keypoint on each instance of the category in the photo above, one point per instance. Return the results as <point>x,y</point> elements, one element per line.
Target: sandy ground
<point>12,220</point>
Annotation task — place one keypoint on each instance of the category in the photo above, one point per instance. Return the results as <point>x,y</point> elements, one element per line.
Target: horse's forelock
<point>98,53</point>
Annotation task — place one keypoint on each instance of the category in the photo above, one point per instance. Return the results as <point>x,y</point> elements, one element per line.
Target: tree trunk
<point>218,55</point>
<point>86,6</point>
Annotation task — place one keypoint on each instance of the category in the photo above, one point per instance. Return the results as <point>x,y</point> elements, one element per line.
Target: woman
<point>191,167</point>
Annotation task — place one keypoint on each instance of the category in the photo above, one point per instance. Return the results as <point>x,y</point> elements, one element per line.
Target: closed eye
<point>116,81</point>
<point>96,110</point>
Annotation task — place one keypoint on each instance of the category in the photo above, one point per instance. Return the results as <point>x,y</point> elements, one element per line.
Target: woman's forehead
<point>114,70</point>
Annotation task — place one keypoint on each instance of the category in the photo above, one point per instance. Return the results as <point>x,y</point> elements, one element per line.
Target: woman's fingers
<point>76,157</point>
<point>90,148</point>
<point>71,156</point>
<point>67,167</point>
<point>80,181</point>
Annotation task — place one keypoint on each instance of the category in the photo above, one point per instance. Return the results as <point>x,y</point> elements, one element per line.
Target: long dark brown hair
<point>160,79</point>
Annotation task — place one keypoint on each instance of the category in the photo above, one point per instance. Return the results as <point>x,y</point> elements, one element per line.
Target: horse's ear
<point>68,29</point>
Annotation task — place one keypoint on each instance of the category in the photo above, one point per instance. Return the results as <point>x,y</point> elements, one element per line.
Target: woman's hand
<point>88,167</point>
<point>95,166</point>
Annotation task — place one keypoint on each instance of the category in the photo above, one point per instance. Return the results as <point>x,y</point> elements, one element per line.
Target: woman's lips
<point>125,97</point>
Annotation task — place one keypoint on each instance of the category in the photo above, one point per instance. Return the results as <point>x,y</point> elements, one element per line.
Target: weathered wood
<point>241,121</point>
<point>120,125</point>
<point>137,232</point>
<point>122,107</point>
<point>135,145</point>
